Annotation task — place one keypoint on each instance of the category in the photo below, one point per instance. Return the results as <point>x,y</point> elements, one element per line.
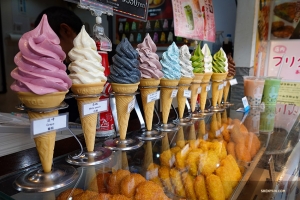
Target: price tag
<point>131,105</point>
<point>208,87</point>
<point>172,160</point>
<point>153,96</point>
<point>245,103</point>
<point>225,83</point>
<point>95,107</point>
<point>233,81</point>
<point>174,93</point>
<point>220,86</point>
<point>218,132</point>
<point>48,124</point>
<point>187,93</point>
<point>199,90</point>
<point>229,127</point>
<point>205,137</point>
<point>222,129</point>
<point>185,149</point>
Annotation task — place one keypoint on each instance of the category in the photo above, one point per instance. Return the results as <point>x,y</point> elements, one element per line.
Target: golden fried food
<point>129,184</point>
<point>200,188</point>
<point>226,133</point>
<point>164,175</point>
<point>175,149</point>
<point>192,161</point>
<point>283,32</point>
<point>226,180</point>
<point>209,161</point>
<point>204,145</point>
<point>219,149</point>
<point>252,143</point>
<point>166,158</point>
<point>242,153</point>
<point>102,196</point>
<point>231,149</point>
<point>175,176</point>
<point>180,157</point>
<point>276,25</point>
<point>149,190</point>
<point>119,197</point>
<point>99,183</point>
<point>235,132</point>
<point>86,195</point>
<point>152,171</point>
<point>115,179</point>
<point>157,181</point>
<point>69,193</point>
<point>214,187</point>
<point>180,142</point>
<point>188,182</point>
<point>230,164</point>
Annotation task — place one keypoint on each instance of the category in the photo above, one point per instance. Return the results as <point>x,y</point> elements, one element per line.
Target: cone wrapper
<point>217,80</point>
<point>88,122</point>
<point>44,143</point>
<point>151,86</point>
<point>122,102</point>
<point>184,84</point>
<point>194,87</point>
<point>165,97</point>
<point>226,88</point>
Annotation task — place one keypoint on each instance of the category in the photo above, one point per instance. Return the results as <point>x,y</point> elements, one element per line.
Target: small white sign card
<point>187,93</point>
<point>45,125</point>
<point>208,87</point>
<point>199,90</point>
<point>174,93</point>
<point>233,81</point>
<point>153,96</point>
<point>131,105</point>
<point>95,107</point>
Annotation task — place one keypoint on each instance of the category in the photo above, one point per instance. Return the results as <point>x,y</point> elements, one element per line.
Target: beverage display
<point>189,16</point>
<point>252,120</point>
<point>267,119</point>
<point>270,92</point>
<point>253,89</point>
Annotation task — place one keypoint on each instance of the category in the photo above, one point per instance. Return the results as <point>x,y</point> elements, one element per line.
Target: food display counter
<point>271,173</point>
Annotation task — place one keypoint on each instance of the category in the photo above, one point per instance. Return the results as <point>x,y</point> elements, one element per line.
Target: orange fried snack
<point>242,153</point>
<point>115,179</point>
<point>129,184</point>
<point>149,190</point>
<point>164,175</point>
<point>102,196</point>
<point>204,145</point>
<point>99,183</point>
<point>69,193</point>
<point>226,133</point>
<point>119,197</point>
<point>219,148</point>
<point>209,161</point>
<point>177,182</point>
<point>188,182</point>
<point>180,157</point>
<point>166,158</point>
<point>192,161</point>
<point>225,179</point>
<point>200,188</point>
<point>252,143</point>
<point>214,187</point>
<point>236,135</point>
<point>86,195</point>
<point>230,164</point>
<point>231,149</point>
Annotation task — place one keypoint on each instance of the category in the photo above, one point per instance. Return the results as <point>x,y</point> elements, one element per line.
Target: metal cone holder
<point>218,108</point>
<point>37,180</point>
<point>100,155</point>
<point>227,104</point>
<point>129,143</point>
<point>185,121</point>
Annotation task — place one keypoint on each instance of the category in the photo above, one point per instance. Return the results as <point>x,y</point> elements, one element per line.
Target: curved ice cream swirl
<point>40,62</point>
<point>170,63</point>
<point>125,64</point>
<point>185,63</point>
<point>150,66</point>
<point>220,63</point>
<point>207,58</point>
<point>198,60</point>
<point>86,64</point>
<point>231,66</point>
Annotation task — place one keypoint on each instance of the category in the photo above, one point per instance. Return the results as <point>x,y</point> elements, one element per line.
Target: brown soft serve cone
<point>226,88</point>
<point>122,102</point>
<point>44,143</point>
<point>194,87</point>
<point>88,122</point>
<point>165,97</point>
<point>217,80</point>
<point>184,84</point>
<point>204,83</point>
<point>148,86</point>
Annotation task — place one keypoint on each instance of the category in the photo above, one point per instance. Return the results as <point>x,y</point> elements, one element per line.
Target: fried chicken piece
<point>119,197</point>
<point>149,190</point>
<point>180,157</point>
<point>102,196</point>
<point>204,145</point>
<point>157,181</point>
<point>188,182</point>
<point>200,188</point>
<point>276,25</point>
<point>242,153</point>
<point>219,149</point>
<point>214,187</point>
<point>152,171</point>
<point>129,184</point>
<point>69,193</point>
<point>115,179</point>
<point>167,157</point>
<point>231,149</point>
<point>99,183</point>
<point>209,161</point>
<point>177,182</point>
<point>164,175</point>
<point>192,161</point>
<point>225,179</point>
<point>86,195</point>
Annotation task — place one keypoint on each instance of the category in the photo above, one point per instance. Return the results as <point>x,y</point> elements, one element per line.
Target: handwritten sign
<point>131,105</point>
<point>174,93</point>
<point>95,107</point>
<point>187,93</point>
<point>153,96</point>
<point>199,90</point>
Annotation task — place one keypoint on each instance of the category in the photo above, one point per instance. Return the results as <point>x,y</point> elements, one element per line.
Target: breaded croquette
<point>175,176</point>
<point>129,184</point>
<point>226,133</point>
<point>214,187</point>
<point>115,179</point>
<point>230,164</point>
<point>209,161</point>
<point>226,180</point>
<point>231,149</point>
<point>152,171</point>
<point>164,175</point>
<point>99,183</point>
<point>219,149</point>
<point>252,143</point>
<point>69,193</point>
<point>86,195</point>
<point>157,181</point>
<point>102,196</point>
<point>204,145</point>
<point>188,182</point>
<point>119,197</point>
<point>149,190</point>
<point>166,158</point>
<point>192,161</point>
<point>180,157</point>
<point>242,153</point>
<point>200,188</point>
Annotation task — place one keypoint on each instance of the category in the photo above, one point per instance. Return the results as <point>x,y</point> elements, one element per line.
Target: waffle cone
<point>88,122</point>
<point>226,88</point>
<point>220,95</point>
<point>217,79</point>
<point>165,97</point>
<point>204,83</point>
<point>207,76</point>
<point>148,107</point>
<point>44,143</point>
<point>194,87</point>
<point>122,102</point>
<point>183,84</point>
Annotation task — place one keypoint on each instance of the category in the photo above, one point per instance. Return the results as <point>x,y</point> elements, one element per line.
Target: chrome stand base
<point>167,127</point>
<point>38,181</point>
<point>150,135</point>
<point>184,121</point>
<point>123,145</point>
<point>217,109</point>
<point>206,113</point>
<point>100,155</point>
<point>227,104</point>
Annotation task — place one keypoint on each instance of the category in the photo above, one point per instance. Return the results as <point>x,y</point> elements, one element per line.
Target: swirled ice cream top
<point>86,66</point>
<point>40,67</point>
<point>149,66</point>
<point>198,60</point>
<point>170,63</point>
<point>220,62</point>
<point>185,62</point>
<point>125,64</point>
<point>231,66</point>
<point>207,58</point>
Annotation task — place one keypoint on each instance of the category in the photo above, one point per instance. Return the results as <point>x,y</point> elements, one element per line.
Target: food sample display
<point>230,75</point>
<point>41,81</point>
<point>87,74</point>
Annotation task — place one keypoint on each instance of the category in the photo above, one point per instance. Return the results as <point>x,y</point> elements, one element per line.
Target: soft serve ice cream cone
<point>186,77</point>
<point>220,71</point>
<point>41,81</point>
<point>87,75</point>
<point>151,74</point>
<point>124,78</point>
<point>172,74</point>
<point>230,75</point>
